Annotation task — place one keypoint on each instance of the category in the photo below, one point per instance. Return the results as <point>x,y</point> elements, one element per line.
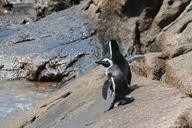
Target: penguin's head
<point>105,62</point>
<point>113,48</point>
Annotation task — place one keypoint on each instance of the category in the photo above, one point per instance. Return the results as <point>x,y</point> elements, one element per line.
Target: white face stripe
<point>110,49</point>
<point>108,60</point>
<point>111,64</point>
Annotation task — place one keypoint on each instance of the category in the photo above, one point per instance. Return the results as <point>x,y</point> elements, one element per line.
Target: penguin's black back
<point>120,80</point>
<point>120,60</point>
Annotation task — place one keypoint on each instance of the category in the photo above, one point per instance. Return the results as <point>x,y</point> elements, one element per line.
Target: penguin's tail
<point>135,57</point>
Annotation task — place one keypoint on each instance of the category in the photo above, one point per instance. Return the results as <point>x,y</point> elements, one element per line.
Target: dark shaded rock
<point>3,9</point>
<point>46,7</point>
<point>183,49</point>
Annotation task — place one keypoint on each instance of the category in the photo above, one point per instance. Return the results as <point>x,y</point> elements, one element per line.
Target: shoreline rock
<point>81,105</point>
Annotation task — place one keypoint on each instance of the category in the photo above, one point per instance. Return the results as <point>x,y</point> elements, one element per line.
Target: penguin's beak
<point>103,63</point>
<point>100,62</point>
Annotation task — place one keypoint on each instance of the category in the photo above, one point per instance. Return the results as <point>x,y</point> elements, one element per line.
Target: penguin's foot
<point>126,100</point>
<point>111,107</point>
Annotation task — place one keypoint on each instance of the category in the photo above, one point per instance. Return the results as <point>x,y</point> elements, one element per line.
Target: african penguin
<point>107,63</point>
<point>116,82</point>
<point>118,76</point>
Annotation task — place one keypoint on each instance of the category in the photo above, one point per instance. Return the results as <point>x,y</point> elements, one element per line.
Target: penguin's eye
<point>107,64</point>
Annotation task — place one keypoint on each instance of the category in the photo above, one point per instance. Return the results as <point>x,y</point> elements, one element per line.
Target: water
<point>7,31</point>
<point>14,1</point>
<point>16,96</point>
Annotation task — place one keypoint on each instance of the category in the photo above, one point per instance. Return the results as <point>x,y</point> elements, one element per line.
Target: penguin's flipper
<point>135,58</point>
<point>105,88</point>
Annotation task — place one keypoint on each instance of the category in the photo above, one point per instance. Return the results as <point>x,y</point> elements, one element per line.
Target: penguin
<point>116,82</point>
<point>118,76</point>
<point>107,63</point>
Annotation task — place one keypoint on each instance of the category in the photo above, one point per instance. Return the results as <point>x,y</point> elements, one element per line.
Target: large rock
<point>50,49</point>
<point>81,105</point>
<point>136,25</point>
<point>119,18</point>
<point>178,72</point>
<point>176,39</point>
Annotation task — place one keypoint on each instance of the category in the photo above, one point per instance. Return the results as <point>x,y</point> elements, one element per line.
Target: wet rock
<point>178,72</point>
<point>34,65</point>
<point>55,47</point>
<point>35,68</point>
<point>81,105</point>
<point>11,69</point>
<point>59,68</point>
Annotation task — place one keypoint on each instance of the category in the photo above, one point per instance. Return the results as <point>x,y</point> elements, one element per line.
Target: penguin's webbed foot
<point>126,100</point>
<point>111,107</point>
